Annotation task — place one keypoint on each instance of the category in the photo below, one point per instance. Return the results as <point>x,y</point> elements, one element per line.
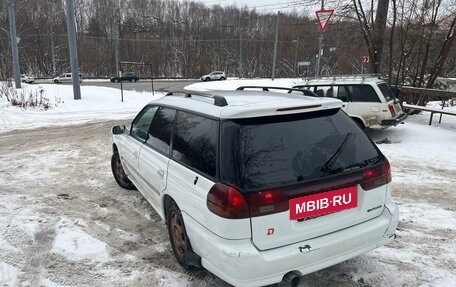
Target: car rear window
<point>386,91</point>
<point>269,152</point>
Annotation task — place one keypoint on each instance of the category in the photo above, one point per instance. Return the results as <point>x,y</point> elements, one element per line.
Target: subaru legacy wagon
<point>258,187</point>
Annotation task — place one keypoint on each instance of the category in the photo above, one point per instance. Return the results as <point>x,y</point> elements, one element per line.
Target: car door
<point>154,155</point>
<point>66,78</point>
<point>130,149</point>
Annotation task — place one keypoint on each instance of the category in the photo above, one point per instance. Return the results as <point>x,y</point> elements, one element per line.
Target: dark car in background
<point>128,76</point>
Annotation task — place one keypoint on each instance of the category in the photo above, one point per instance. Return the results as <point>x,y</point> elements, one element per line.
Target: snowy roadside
<point>97,103</point>
<point>65,222</point>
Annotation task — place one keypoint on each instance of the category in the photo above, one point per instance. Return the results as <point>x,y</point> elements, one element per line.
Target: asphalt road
<point>142,85</point>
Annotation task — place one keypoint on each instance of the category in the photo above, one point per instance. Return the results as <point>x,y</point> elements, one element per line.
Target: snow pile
<point>97,103</point>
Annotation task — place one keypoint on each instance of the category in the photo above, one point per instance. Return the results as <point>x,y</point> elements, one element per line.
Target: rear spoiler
<point>268,89</point>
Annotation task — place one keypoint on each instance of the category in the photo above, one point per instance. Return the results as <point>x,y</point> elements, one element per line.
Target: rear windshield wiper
<point>329,164</point>
<point>364,163</point>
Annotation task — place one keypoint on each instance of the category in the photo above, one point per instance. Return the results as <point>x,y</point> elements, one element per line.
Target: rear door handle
<point>161,173</point>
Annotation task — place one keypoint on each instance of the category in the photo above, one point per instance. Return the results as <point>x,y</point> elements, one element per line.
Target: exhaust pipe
<point>291,279</point>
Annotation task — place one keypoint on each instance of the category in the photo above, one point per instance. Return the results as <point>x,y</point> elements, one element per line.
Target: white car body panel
<point>232,260</point>
<point>192,201</point>
<point>286,231</point>
<point>153,169</point>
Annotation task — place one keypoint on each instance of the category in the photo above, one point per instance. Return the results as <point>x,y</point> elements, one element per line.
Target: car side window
<point>161,129</point>
<point>141,124</point>
<point>364,93</point>
<point>195,142</point>
<point>344,92</point>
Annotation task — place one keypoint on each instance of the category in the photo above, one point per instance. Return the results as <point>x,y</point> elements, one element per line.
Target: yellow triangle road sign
<point>323,17</point>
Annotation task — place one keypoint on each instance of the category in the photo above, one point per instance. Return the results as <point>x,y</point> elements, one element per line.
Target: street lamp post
<point>14,49</point>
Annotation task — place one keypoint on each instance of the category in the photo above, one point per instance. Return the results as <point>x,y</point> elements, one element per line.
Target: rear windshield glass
<point>386,91</point>
<point>275,151</point>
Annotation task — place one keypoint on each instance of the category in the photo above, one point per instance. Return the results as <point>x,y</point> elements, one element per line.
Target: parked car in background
<point>367,99</point>
<point>27,79</point>
<point>65,78</point>
<point>258,187</point>
<point>127,76</point>
<point>216,75</point>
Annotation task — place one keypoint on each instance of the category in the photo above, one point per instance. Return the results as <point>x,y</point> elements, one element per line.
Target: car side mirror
<point>118,130</point>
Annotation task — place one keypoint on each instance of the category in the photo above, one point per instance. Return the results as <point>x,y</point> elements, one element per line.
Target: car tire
<point>222,78</point>
<point>178,237</point>
<point>56,81</point>
<point>133,80</point>
<point>207,79</point>
<point>119,173</point>
<point>116,81</point>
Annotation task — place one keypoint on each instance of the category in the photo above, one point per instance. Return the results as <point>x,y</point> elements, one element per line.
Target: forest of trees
<point>187,38</point>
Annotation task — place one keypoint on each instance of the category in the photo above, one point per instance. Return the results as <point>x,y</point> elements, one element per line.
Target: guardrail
<point>416,95</point>
<point>431,110</point>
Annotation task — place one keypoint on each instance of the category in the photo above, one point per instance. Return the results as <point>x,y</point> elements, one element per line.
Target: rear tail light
<point>268,202</point>
<point>227,202</point>
<point>376,176</point>
<point>391,108</point>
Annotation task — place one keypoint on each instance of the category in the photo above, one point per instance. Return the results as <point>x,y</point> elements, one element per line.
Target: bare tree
<point>446,47</point>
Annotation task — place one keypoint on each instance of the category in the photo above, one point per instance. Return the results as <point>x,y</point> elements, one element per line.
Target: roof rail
<point>219,101</point>
<point>354,76</point>
<point>268,88</point>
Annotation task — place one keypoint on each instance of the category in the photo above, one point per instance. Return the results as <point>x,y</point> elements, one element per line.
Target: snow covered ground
<point>65,222</point>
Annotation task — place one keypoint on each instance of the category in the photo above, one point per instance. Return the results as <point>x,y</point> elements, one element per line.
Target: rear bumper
<point>394,122</point>
<point>239,263</point>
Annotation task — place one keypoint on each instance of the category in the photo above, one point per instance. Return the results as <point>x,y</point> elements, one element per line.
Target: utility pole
<point>117,40</point>
<point>51,35</point>
<point>320,46</point>
<point>116,46</point>
<point>296,56</point>
<point>240,51</point>
<point>275,47</point>
<point>12,26</point>
<point>73,50</point>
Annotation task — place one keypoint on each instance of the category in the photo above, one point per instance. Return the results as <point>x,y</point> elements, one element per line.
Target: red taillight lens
<point>227,202</point>
<point>268,202</point>
<point>392,111</point>
<point>376,176</point>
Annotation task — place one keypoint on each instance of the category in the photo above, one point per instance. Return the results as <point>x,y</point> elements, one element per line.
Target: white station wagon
<point>367,99</point>
<point>258,187</point>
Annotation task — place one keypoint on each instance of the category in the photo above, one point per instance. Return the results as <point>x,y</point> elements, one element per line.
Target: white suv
<point>217,75</point>
<point>255,186</point>
<point>367,98</point>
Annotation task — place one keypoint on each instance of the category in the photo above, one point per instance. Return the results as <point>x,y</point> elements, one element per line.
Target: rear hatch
<point>303,175</point>
<point>394,104</point>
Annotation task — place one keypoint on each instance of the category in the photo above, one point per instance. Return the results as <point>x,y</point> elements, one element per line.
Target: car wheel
<point>222,78</point>
<point>116,80</point>
<point>119,173</point>
<point>133,80</point>
<point>56,81</point>
<point>207,79</point>
<point>24,81</point>
<point>178,235</point>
